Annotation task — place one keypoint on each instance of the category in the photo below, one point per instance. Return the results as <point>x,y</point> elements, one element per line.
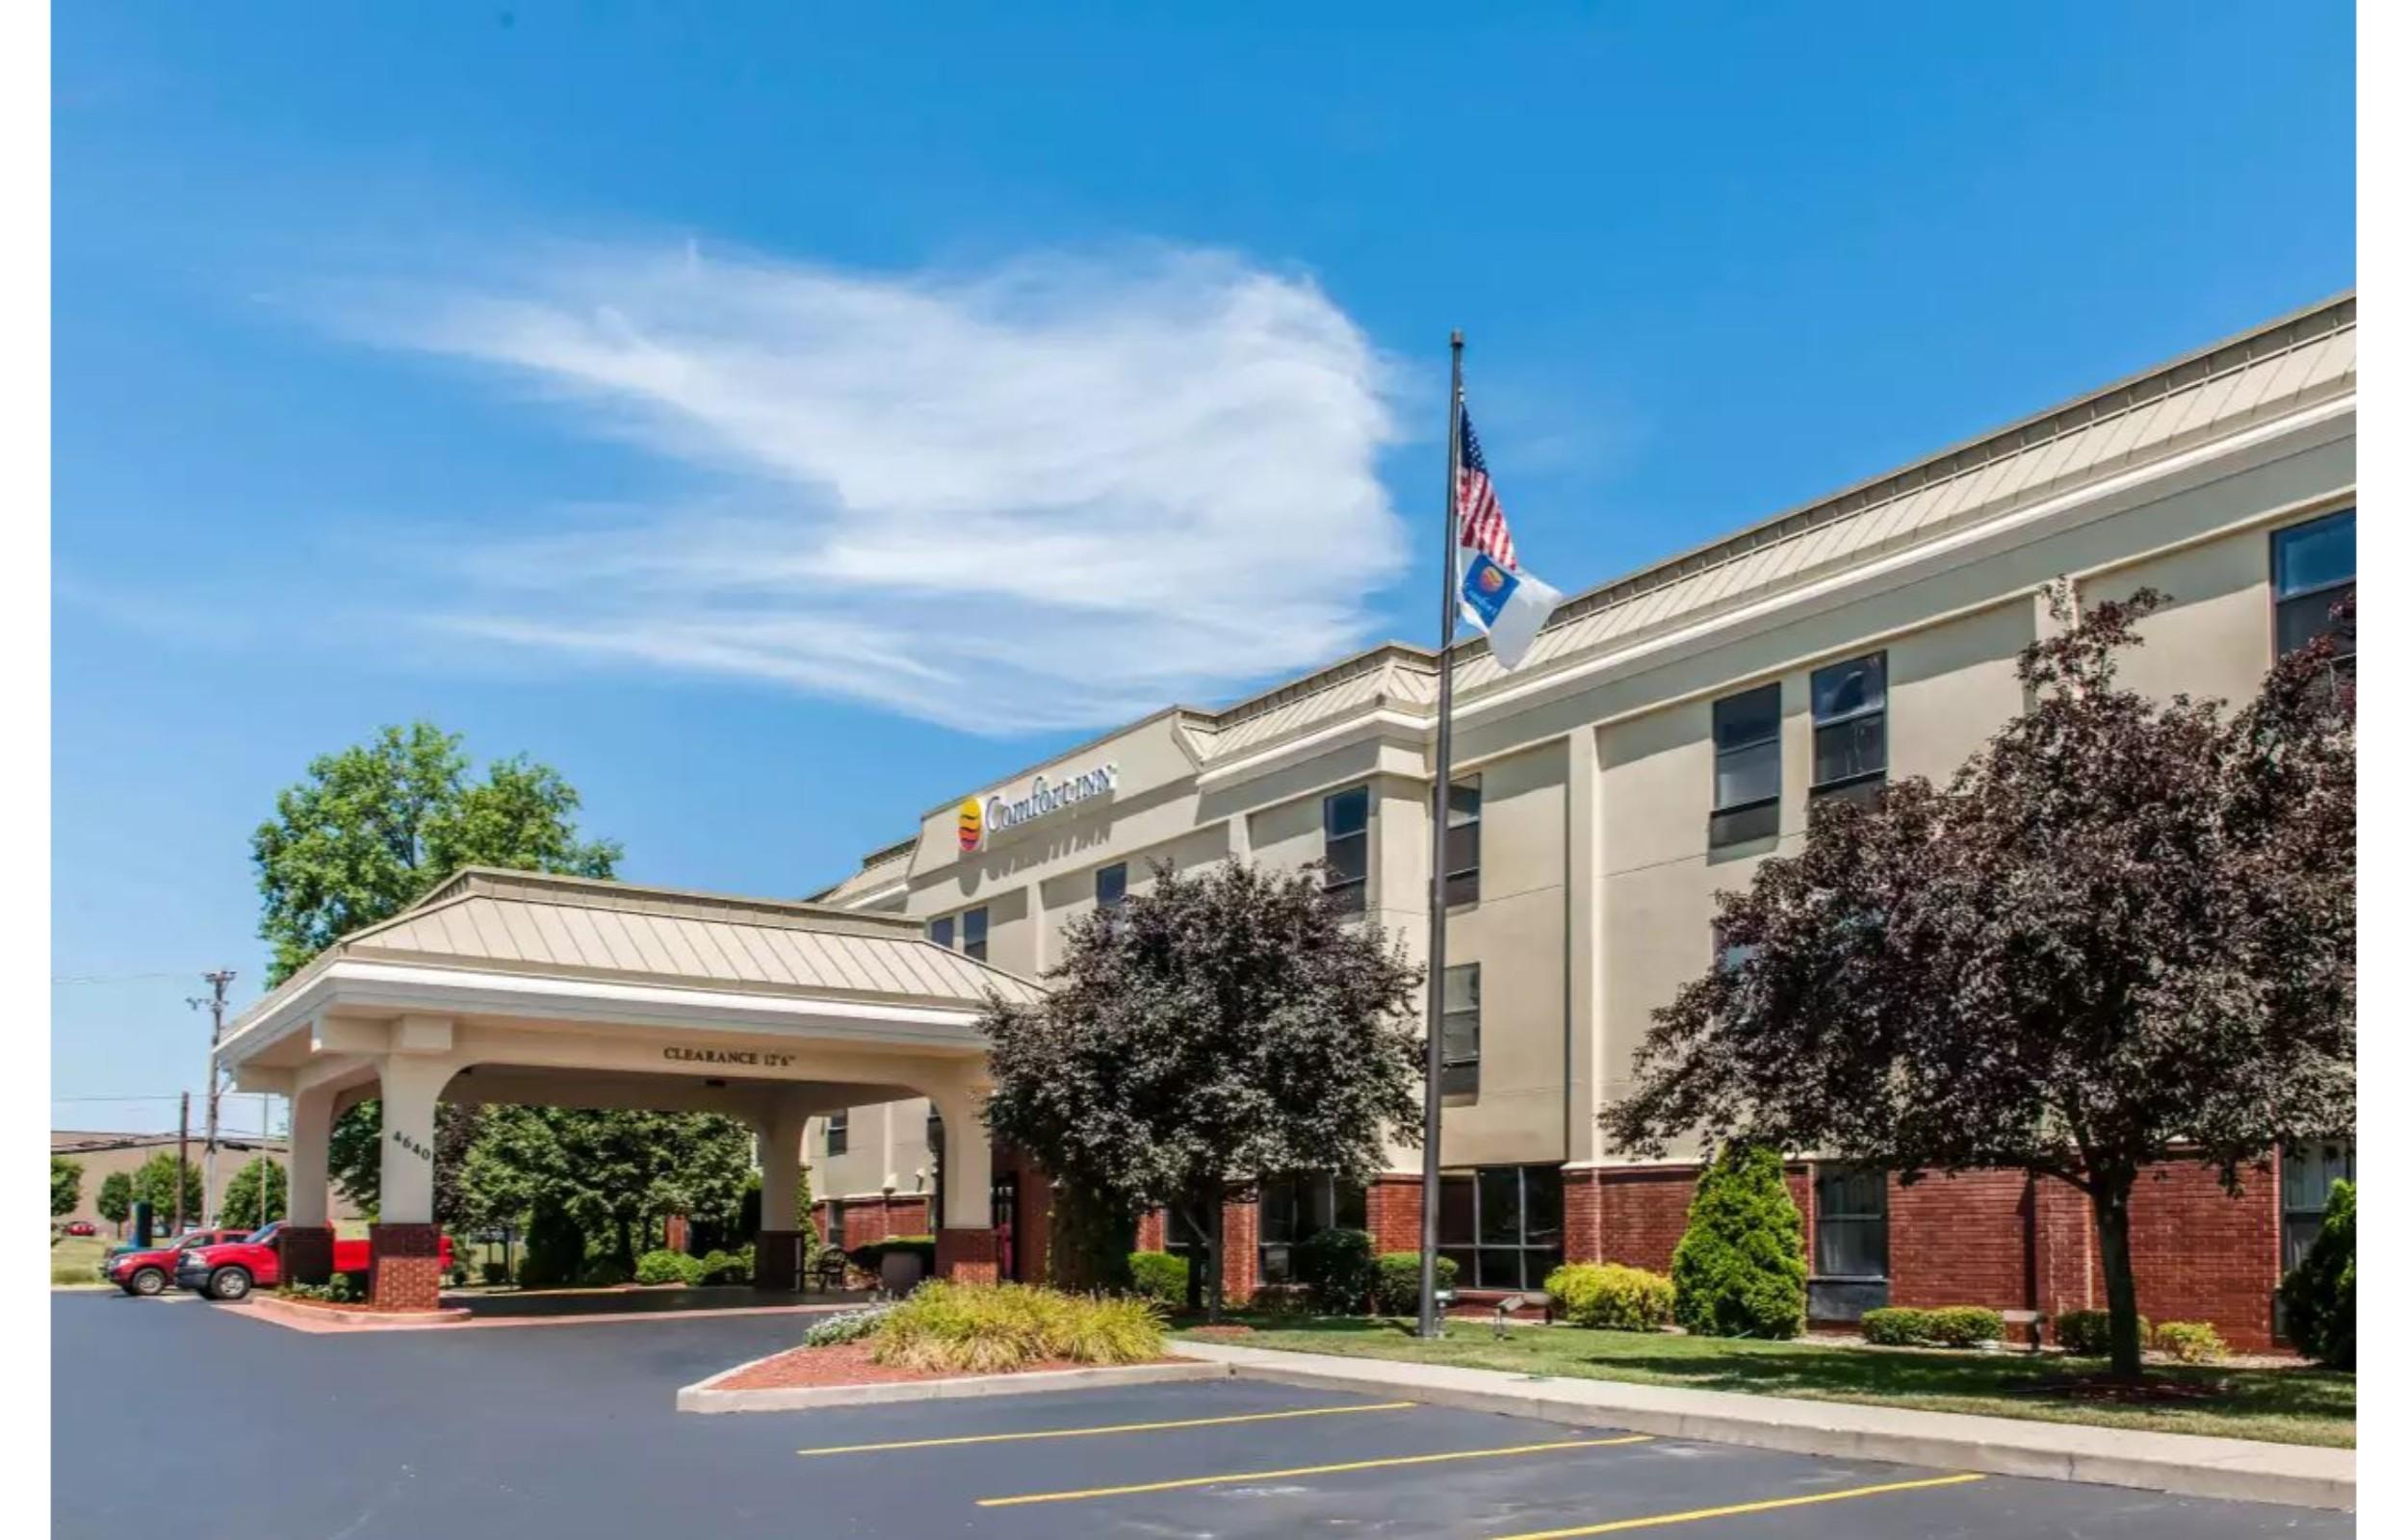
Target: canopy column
<point>965,1236</point>
<point>305,1245</point>
<point>779,1246</point>
<point>405,1246</point>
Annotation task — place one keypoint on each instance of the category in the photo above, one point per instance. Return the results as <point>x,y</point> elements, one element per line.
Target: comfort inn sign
<point>982,820</point>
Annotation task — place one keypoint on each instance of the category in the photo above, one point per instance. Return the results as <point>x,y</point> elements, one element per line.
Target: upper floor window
<point>1463,842</point>
<point>1746,767</point>
<point>1852,726</point>
<point>1111,884</point>
<point>973,933</point>
<point>2314,568</point>
<point>838,1132</point>
<point>1459,1025</point>
<point>1346,847</point>
<point>941,931</point>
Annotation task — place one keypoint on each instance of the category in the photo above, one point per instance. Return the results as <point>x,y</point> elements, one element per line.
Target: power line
<point>112,978</point>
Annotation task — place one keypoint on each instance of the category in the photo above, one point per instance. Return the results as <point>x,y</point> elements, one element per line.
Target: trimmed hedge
<point>1740,1268</point>
<point>1396,1287</point>
<point>668,1267</point>
<point>2090,1333</point>
<point>2319,1297</point>
<point>1337,1271</point>
<point>1949,1326</point>
<point>1160,1277</point>
<point>1612,1297</point>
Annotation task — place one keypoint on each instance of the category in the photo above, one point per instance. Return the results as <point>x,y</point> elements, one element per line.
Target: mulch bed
<point>846,1364</point>
<point>1222,1332</point>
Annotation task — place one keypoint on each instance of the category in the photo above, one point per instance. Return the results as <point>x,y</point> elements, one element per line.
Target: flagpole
<point>1441,800</point>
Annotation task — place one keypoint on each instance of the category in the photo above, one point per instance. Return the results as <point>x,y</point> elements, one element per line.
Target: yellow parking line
<point>1310,1469</point>
<point>1117,1427</point>
<point>1651,1520</point>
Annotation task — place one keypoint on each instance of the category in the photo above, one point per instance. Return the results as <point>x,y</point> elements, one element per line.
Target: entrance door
<point>1004,1215</point>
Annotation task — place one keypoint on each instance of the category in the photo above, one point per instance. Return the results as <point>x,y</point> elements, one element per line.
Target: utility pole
<point>183,1136</point>
<point>215,1004</point>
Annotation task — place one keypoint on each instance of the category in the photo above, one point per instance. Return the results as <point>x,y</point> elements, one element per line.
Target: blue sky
<point>667,391</point>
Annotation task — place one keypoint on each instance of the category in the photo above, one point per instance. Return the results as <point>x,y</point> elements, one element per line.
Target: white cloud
<point>1057,494</point>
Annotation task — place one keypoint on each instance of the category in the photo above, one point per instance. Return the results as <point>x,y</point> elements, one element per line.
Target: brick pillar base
<point>304,1253</point>
<point>404,1266</point>
<point>773,1254</point>
<point>966,1256</point>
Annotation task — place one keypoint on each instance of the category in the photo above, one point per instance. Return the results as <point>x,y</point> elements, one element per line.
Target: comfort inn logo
<point>972,824</point>
<point>980,821</point>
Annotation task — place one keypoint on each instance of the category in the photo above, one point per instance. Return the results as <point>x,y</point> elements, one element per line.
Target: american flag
<point>1475,504</point>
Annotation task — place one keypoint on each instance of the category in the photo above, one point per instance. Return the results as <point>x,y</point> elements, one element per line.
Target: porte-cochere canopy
<point>523,986</point>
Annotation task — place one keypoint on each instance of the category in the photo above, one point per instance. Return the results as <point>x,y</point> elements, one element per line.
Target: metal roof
<point>536,922</point>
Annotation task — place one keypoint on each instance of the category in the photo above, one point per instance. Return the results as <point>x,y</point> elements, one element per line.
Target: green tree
<point>608,1172</point>
<point>254,1194</point>
<point>2319,1297</point>
<point>1740,1268</point>
<point>1218,1027</point>
<point>155,1180</point>
<point>375,828</point>
<point>66,1184</point>
<point>2125,932</point>
<point>116,1201</point>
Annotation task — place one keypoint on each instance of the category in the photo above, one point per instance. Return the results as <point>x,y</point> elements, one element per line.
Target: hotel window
<point>1502,1224</point>
<point>1463,842</point>
<point>1851,1243</point>
<point>1293,1209</point>
<point>1111,884</point>
<point>2315,567</point>
<point>2308,1173</point>
<point>1346,848</point>
<point>1459,1028</point>
<point>941,932</point>
<point>1746,767</point>
<point>973,933</point>
<point>839,1133</point>
<point>1851,727</point>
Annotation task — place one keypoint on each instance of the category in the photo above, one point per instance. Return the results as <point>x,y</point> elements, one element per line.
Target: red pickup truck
<point>146,1269</point>
<point>232,1269</point>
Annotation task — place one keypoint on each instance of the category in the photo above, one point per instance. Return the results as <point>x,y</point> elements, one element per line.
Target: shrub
<point>852,1325</point>
<point>495,1270</point>
<point>2189,1342</point>
<point>723,1266</point>
<point>1336,1271</point>
<point>988,1327</point>
<point>668,1267</point>
<point>602,1272</point>
<point>1897,1326</point>
<point>1160,1277</point>
<point>2088,1334</point>
<point>1740,1268</point>
<point>1397,1289</point>
<point>2319,1297</point>
<point>1966,1326</point>
<point>555,1249</point>
<point>1611,1296</point>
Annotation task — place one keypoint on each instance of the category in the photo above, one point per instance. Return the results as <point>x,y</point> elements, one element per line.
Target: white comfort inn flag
<point>1507,605</point>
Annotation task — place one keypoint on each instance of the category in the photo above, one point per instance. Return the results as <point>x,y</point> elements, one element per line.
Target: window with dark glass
<point>1463,842</point>
<point>2314,568</point>
<point>1746,767</point>
<point>1852,726</point>
<point>2308,1173</point>
<point>1111,884</point>
<point>973,933</point>
<point>1292,1209</point>
<point>1346,847</point>
<point>1458,1024</point>
<point>941,931</point>
<point>1182,1238</point>
<point>838,1132</point>
<point>1502,1225</point>
<point>1851,1221</point>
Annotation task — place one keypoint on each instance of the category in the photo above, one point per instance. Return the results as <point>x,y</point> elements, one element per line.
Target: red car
<point>81,1227</point>
<point>146,1270</point>
<point>230,1269</point>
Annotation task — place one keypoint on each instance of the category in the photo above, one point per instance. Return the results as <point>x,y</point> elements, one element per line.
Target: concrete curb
<point>702,1396</point>
<point>295,1312</point>
<point>2247,1469</point>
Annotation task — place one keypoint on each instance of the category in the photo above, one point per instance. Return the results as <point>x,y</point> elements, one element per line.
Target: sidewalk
<point>2240,1468</point>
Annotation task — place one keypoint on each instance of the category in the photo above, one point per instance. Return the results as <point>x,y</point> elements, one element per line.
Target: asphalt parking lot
<point>185,1415</point>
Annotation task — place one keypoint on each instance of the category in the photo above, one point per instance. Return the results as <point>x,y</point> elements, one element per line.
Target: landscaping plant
<point>2090,1333</point>
<point>1337,1269</point>
<point>1612,1297</point>
<point>977,1328</point>
<point>1396,1286</point>
<point>2319,1297</point>
<point>1160,1277</point>
<point>2124,934</point>
<point>831,1331</point>
<point>2189,1342</point>
<point>1740,1268</point>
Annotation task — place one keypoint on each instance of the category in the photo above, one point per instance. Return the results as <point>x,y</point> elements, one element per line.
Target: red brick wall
<point>1153,1232</point>
<point>867,1220</point>
<point>404,1266</point>
<point>1393,1205</point>
<point>1640,1214</point>
<point>304,1253</point>
<point>1959,1241</point>
<point>2201,1255</point>
<point>966,1255</point>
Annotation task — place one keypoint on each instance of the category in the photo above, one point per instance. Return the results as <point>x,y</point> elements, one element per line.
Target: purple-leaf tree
<point>2124,933</point>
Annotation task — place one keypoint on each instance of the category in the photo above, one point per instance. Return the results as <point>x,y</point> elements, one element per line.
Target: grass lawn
<point>2285,1405</point>
<point>77,1259</point>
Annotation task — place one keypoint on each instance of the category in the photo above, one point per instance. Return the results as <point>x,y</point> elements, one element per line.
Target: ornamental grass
<point>984,1328</point>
